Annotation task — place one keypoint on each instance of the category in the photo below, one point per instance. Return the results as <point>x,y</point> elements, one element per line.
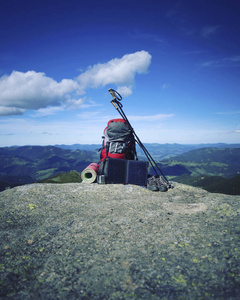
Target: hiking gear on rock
<point>118,105</point>
<point>118,141</point>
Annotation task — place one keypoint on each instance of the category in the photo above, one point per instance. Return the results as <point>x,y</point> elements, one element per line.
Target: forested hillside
<point>21,165</point>
<point>28,164</point>
<point>206,161</point>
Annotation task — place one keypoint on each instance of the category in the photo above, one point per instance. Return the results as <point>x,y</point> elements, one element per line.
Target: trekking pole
<point>118,105</point>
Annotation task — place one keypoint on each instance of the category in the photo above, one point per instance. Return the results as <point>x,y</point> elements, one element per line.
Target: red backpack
<point>118,141</point>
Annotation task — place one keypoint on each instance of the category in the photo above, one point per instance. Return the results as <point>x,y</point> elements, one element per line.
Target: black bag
<point>113,170</point>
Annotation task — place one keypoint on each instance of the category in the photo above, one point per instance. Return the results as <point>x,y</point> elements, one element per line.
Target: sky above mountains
<point>176,64</point>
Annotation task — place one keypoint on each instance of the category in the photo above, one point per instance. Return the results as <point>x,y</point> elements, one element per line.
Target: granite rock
<point>92,241</point>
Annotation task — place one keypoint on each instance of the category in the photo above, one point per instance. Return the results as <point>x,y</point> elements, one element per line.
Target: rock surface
<point>90,241</point>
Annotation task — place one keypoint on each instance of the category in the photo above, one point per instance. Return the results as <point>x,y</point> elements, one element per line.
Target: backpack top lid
<point>118,141</point>
<point>117,129</point>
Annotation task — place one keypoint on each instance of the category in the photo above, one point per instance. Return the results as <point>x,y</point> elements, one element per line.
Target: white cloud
<point>89,104</point>
<point>119,71</point>
<point>125,90</point>
<point>47,111</point>
<point>32,90</point>
<point>151,117</point>
<point>88,129</point>
<point>228,112</point>
<point>224,62</point>
<point>19,131</point>
<point>70,104</point>
<point>98,117</point>
<point>74,104</point>
<point>8,111</point>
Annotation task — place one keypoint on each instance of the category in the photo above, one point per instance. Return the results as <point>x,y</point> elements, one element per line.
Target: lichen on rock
<point>91,241</point>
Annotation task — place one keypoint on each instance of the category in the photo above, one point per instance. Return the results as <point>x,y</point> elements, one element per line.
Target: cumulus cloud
<point>70,104</point>
<point>119,71</point>
<point>125,90</point>
<point>32,90</point>
<point>8,111</point>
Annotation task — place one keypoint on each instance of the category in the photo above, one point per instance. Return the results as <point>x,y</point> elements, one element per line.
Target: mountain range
<point>205,161</point>
<point>158,151</point>
<point>183,163</point>
<point>27,164</point>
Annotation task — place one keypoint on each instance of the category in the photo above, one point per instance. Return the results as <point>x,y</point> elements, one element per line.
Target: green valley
<point>208,167</point>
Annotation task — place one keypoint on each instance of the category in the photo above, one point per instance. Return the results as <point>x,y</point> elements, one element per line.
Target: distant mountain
<point>158,151</point>
<point>213,184</point>
<point>206,161</point>
<point>21,165</point>
<point>88,147</point>
<point>27,164</point>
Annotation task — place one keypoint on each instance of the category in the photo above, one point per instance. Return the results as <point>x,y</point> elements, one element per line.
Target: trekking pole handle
<point>114,104</point>
<point>113,94</point>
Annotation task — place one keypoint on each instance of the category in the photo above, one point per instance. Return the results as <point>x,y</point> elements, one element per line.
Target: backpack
<point>118,141</point>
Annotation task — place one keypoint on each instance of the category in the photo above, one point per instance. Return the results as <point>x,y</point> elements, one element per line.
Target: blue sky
<point>176,64</point>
